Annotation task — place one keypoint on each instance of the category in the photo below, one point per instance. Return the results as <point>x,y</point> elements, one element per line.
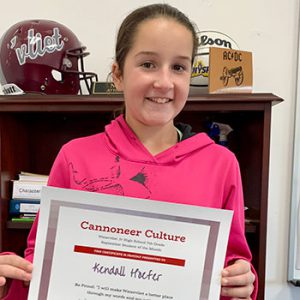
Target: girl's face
<point>156,76</point>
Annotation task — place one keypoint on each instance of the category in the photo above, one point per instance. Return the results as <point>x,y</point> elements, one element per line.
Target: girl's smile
<point>159,100</point>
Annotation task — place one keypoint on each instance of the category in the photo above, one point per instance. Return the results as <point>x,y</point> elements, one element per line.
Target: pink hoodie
<point>195,171</point>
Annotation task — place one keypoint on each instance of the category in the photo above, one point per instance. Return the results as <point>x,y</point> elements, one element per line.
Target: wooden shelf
<point>67,103</point>
<point>34,127</point>
<point>18,225</point>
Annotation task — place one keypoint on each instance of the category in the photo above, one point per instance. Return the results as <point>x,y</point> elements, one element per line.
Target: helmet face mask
<point>42,56</point>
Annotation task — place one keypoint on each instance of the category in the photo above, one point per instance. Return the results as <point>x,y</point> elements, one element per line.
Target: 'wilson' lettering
<point>205,40</point>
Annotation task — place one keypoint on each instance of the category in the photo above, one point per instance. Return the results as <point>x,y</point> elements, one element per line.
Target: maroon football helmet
<point>42,56</point>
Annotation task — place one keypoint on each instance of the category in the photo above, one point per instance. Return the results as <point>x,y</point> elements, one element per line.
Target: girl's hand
<point>13,267</point>
<point>238,280</point>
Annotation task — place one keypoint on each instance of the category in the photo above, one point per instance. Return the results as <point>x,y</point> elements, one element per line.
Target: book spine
<point>23,190</point>
<point>21,220</point>
<point>17,207</point>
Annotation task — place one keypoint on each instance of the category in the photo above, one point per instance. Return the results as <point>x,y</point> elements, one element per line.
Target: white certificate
<point>98,246</point>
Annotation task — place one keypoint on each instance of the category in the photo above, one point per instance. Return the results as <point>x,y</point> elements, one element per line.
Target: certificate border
<point>55,206</point>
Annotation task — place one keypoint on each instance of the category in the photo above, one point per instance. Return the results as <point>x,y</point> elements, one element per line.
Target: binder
<point>21,206</point>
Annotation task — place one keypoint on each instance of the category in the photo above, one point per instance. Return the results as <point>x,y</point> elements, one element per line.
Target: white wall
<point>268,28</point>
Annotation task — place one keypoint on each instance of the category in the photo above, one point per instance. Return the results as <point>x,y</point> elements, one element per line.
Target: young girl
<point>143,154</point>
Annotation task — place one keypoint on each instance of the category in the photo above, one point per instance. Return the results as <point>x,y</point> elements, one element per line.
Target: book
<point>19,206</point>
<point>27,189</point>
<point>27,216</point>
<point>27,176</point>
<point>21,220</point>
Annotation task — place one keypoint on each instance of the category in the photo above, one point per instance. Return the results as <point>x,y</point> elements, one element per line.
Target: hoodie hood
<point>122,141</point>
